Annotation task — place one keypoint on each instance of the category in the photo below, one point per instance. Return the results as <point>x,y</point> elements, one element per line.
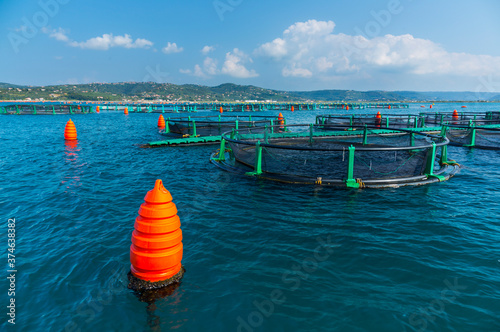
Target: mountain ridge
<point>136,91</point>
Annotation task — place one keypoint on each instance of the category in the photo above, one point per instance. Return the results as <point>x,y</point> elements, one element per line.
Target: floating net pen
<point>433,119</point>
<point>213,125</point>
<point>377,120</point>
<point>481,134</point>
<point>309,154</point>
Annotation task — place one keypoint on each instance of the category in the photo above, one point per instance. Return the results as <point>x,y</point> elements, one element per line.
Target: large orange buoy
<point>161,121</point>
<point>156,250</point>
<point>455,114</point>
<point>220,110</point>
<point>97,109</point>
<point>70,131</point>
<point>379,116</point>
<point>125,111</point>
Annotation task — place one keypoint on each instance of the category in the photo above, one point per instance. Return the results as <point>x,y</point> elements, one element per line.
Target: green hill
<point>133,91</point>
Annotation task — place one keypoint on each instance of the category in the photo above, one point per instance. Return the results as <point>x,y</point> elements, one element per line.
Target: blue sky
<point>418,45</point>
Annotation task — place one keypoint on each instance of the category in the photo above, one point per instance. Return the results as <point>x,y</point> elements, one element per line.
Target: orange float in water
<point>281,119</point>
<point>430,106</point>
<point>161,121</point>
<point>220,110</point>
<point>347,107</point>
<point>455,114</point>
<point>70,131</point>
<point>125,111</point>
<point>156,250</point>
<point>378,119</point>
<point>97,109</point>
<point>291,108</point>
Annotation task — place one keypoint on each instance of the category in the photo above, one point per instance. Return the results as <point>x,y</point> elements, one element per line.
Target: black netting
<point>370,165</point>
<point>489,138</point>
<point>384,121</point>
<point>214,126</point>
<point>460,118</point>
<point>314,153</point>
<point>459,136</point>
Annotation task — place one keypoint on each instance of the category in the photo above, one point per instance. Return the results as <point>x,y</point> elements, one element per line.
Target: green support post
<point>472,138</point>
<point>412,139</point>
<point>34,109</point>
<point>365,136</point>
<point>272,126</point>
<point>70,110</point>
<point>429,167</point>
<point>387,122</point>
<point>311,134</point>
<point>163,108</point>
<point>236,125</point>
<point>222,150</point>
<point>350,181</point>
<point>258,160</point>
<point>444,155</point>
<point>167,129</point>
<point>194,128</point>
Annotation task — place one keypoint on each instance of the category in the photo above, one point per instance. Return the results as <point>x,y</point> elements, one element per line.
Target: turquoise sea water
<point>259,255</point>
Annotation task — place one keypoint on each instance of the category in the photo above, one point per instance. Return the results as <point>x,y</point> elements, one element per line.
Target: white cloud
<point>58,34</point>
<point>210,66</point>
<point>198,72</point>
<point>207,49</point>
<point>107,41</point>
<point>234,65</point>
<point>311,49</point>
<point>104,42</point>
<point>171,48</point>
<point>209,69</point>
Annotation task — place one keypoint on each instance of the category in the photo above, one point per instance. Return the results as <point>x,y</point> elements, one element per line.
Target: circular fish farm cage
<point>459,118</point>
<point>216,125</point>
<point>364,157</point>
<point>377,120</point>
<point>481,134</point>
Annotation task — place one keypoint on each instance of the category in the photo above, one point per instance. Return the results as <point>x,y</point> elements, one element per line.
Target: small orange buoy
<point>347,107</point>
<point>70,131</point>
<point>281,119</point>
<point>220,109</point>
<point>292,108</point>
<point>161,121</point>
<point>464,106</point>
<point>156,250</point>
<point>378,119</point>
<point>430,106</point>
<point>97,109</point>
<point>389,107</point>
<point>125,111</point>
